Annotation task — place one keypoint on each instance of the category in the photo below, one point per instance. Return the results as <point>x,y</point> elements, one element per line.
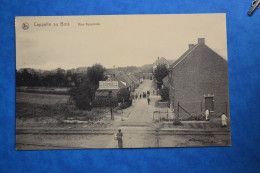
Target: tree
<point>96,74</point>
<point>83,92</point>
<point>59,77</point>
<point>35,80</point>
<point>159,73</point>
<point>164,93</point>
<point>26,78</point>
<point>19,81</point>
<point>123,95</point>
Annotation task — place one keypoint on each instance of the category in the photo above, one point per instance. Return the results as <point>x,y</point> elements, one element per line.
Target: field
<point>51,110</point>
<point>44,90</point>
<point>22,97</point>
<point>40,112</point>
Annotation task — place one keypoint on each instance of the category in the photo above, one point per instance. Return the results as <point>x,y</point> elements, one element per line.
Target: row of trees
<point>83,86</point>
<point>60,78</point>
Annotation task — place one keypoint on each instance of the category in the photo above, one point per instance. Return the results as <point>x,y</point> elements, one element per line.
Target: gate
<point>161,115</point>
<point>198,108</point>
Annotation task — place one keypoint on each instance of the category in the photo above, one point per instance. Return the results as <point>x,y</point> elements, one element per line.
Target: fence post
<point>178,111</point>
<point>226,108</point>
<point>201,108</point>
<point>167,113</point>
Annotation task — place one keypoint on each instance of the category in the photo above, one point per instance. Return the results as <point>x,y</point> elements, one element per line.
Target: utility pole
<point>111,105</point>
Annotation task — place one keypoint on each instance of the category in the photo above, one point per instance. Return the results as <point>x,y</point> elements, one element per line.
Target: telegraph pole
<point>111,105</point>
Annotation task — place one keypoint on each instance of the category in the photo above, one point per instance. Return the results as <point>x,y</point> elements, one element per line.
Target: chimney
<point>201,41</point>
<point>191,46</point>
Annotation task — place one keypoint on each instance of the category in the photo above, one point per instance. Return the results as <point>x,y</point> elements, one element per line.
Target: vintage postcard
<point>122,81</point>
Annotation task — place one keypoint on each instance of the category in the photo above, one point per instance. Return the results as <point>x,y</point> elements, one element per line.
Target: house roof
<point>133,78</point>
<point>190,51</point>
<point>123,77</point>
<point>183,56</point>
<point>138,75</point>
<point>120,83</point>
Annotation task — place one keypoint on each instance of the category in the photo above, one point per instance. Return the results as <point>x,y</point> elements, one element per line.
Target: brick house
<point>199,80</point>
<point>107,96</point>
<point>120,76</point>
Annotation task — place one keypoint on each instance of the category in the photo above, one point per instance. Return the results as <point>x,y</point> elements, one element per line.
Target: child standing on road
<point>120,138</point>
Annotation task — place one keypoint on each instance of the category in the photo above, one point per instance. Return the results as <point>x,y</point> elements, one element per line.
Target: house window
<point>209,103</point>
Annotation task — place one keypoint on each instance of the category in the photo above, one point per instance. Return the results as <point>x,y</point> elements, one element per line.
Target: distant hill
<point>81,69</point>
<point>147,68</point>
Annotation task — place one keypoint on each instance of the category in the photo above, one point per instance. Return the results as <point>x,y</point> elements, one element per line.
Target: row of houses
<point>130,81</point>
<point>117,80</point>
<point>197,81</point>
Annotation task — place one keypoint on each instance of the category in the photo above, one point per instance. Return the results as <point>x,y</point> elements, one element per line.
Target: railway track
<point>112,131</point>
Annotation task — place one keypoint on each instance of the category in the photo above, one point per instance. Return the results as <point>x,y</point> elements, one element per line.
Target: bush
<point>105,102</point>
<point>126,104</point>
<point>176,122</point>
<point>82,95</point>
<point>123,95</point>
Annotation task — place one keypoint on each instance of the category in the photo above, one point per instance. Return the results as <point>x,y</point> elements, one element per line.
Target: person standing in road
<point>224,120</point>
<point>148,100</point>
<point>207,114</point>
<point>120,138</point>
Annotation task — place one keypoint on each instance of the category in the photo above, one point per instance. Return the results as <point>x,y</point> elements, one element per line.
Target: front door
<point>209,103</point>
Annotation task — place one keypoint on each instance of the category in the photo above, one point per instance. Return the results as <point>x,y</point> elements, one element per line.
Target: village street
<point>138,128</point>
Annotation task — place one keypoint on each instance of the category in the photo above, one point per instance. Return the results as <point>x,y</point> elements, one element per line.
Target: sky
<point>113,40</point>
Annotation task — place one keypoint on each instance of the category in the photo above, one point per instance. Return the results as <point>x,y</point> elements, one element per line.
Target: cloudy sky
<point>121,40</point>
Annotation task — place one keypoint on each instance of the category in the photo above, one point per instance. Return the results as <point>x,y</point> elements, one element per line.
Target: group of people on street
<point>223,118</point>
<point>143,94</point>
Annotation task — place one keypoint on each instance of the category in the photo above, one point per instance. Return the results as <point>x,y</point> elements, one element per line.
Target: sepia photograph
<point>121,81</point>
